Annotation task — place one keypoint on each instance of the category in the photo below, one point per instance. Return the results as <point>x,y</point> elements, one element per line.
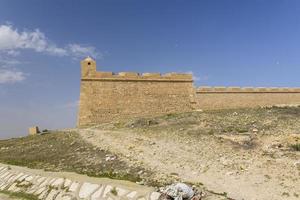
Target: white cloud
<point>79,51</point>
<point>198,78</point>
<point>11,76</point>
<point>12,40</point>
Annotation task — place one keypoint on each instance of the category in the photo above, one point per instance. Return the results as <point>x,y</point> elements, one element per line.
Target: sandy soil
<point>222,163</point>
<point>4,197</point>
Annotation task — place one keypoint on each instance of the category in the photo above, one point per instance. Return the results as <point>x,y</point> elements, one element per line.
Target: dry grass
<point>64,151</point>
<point>19,195</point>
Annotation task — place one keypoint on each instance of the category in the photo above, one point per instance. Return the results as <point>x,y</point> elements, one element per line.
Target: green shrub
<point>296,147</point>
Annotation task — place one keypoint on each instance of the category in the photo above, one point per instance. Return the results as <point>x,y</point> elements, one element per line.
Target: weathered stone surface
<point>33,130</point>
<point>52,194</point>
<point>74,186</point>
<point>40,190</point>
<point>132,195</point>
<point>87,189</point>
<point>67,183</point>
<point>121,191</point>
<point>97,194</point>
<point>107,190</point>
<point>216,98</point>
<point>49,188</point>
<point>58,182</point>
<point>105,97</point>
<point>154,195</point>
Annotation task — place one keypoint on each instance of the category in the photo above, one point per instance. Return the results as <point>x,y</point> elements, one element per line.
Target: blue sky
<point>222,42</point>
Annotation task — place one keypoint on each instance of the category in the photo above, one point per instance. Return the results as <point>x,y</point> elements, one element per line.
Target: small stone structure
<point>34,130</point>
<point>105,96</point>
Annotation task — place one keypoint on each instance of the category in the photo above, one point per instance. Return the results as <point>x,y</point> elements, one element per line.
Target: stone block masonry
<point>105,96</point>
<point>61,188</point>
<point>33,130</point>
<point>209,98</point>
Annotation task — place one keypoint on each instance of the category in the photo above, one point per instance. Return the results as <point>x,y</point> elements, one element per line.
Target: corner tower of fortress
<point>88,67</point>
<point>105,96</point>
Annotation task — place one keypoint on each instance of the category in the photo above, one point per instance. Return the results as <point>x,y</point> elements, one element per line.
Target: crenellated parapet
<point>133,76</point>
<point>89,72</point>
<point>205,89</point>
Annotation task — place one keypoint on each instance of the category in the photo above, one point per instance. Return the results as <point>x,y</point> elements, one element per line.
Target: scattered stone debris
<point>109,157</point>
<point>255,130</point>
<point>180,191</point>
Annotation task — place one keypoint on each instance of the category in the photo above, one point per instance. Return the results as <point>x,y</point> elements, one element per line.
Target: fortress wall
<point>105,96</point>
<point>235,97</point>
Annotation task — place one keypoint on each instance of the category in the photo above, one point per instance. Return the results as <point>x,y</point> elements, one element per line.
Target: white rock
<point>7,177</point>
<point>12,187</point>
<point>40,180</point>
<point>131,195</point>
<point>65,197</point>
<point>29,178</point>
<point>57,182</point>
<point>23,177</point>
<point>3,170</point>
<point>52,181</point>
<point>40,190</point>
<point>19,175</point>
<point>45,182</point>
<point>52,195</point>
<point>107,190</point>
<point>87,189</point>
<point>43,194</point>
<point>67,183</point>
<point>97,194</point>
<point>12,178</point>
<point>4,174</point>
<point>297,163</point>
<point>154,196</point>
<point>4,186</point>
<point>74,186</point>
<point>121,192</point>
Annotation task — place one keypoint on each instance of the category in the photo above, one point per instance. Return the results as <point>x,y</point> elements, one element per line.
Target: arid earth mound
<point>230,154</point>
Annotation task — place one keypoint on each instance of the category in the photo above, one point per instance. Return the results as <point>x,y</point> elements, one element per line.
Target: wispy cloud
<point>197,77</point>
<point>78,51</point>
<point>11,76</point>
<point>12,41</point>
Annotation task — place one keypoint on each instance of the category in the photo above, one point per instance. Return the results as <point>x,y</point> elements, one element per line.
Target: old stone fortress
<point>105,96</point>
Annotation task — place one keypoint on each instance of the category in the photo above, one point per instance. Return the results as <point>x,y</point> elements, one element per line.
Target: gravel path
<point>263,172</point>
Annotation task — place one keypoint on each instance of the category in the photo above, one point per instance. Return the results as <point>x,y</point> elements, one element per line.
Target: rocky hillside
<point>241,153</point>
<point>230,154</point>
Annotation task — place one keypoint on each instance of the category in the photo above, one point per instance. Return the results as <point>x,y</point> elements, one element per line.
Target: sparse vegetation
<point>114,191</point>
<point>65,151</point>
<point>296,147</point>
<point>228,139</point>
<point>20,195</point>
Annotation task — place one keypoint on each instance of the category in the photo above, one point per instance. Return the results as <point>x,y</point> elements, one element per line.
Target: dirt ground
<point>4,197</point>
<point>242,154</point>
